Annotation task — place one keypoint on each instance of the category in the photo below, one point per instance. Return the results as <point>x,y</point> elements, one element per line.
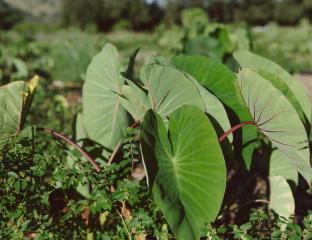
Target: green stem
<point>72,143</point>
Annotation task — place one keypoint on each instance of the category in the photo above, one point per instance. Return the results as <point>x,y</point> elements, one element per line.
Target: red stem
<point>135,124</point>
<point>72,143</point>
<point>224,136</point>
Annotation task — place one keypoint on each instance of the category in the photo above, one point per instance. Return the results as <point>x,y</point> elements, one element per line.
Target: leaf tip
<point>33,83</point>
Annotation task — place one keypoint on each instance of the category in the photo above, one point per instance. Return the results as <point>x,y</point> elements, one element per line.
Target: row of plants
<point>199,133</point>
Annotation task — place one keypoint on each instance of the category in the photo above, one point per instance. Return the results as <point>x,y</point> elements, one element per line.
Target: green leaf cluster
<point>184,108</point>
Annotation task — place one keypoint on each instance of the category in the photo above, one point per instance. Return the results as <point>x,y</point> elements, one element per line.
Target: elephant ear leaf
<point>168,89</point>
<point>277,119</point>
<point>15,102</point>
<point>281,79</point>
<point>105,119</point>
<point>186,169</point>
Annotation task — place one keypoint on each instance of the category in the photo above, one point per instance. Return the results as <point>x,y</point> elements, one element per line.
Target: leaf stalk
<point>72,143</point>
<point>233,129</point>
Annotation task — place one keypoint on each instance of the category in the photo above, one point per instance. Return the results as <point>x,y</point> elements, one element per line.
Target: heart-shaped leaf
<point>277,119</point>
<point>105,119</point>
<point>219,80</point>
<point>15,101</point>
<point>185,167</point>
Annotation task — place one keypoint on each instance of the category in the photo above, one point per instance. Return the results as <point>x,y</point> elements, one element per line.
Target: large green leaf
<point>105,119</point>
<point>168,89</point>
<point>185,167</point>
<point>165,90</point>
<point>15,101</point>
<point>219,80</point>
<point>281,197</point>
<point>280,78</point>
<point>277,119</point>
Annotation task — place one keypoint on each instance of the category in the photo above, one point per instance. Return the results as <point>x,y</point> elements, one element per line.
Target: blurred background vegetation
<point>57,38</point>
<point>147,14</point>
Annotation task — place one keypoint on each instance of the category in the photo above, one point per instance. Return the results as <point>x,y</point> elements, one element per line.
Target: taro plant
<point>192,123</point>
<point>197,119</point>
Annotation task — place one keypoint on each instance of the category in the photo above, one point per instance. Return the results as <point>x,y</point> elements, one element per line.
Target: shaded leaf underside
<point>277,119</point>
